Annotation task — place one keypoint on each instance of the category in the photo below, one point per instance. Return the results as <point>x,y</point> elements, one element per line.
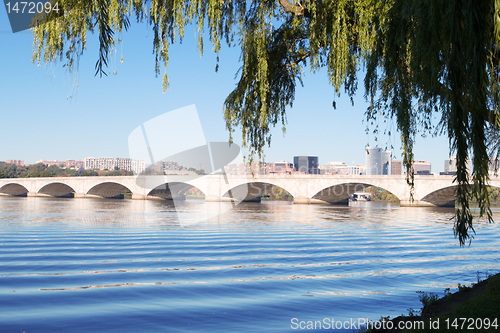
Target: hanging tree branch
<point>420,56</point>
<point>297,9</point>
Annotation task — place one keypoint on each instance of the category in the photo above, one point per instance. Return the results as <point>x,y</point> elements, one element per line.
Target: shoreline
<point>469,309</point>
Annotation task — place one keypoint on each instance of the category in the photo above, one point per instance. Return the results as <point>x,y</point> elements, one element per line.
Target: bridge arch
<point>110,190</point>
<point>429,190</point>
<point>14,189</point>
<point>57,189</point>
<point>253,191</point>
<point>444,197</point>
<point>171,191</point>
<point>340,193</point>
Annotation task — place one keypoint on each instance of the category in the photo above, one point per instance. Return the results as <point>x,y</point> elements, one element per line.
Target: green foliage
<point>88,173</point>
<point>198,172</point>
<point>462,287</point>
<point>276,193</point>
<point>427,298</point>
<point>447,293</point>
<point>444,57</point>
<point>34,170</point>
<point>113,173</point>
<point>494,194</point>
<point>484,305</point>
<point>421,57</point>
<point>42,170</point>
<point>194,194</point>
<point>10,171</point>
<point>412,312</point>
<point>380,194</point>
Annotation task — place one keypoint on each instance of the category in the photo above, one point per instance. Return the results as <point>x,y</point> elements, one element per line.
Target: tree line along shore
<point>473,308</point>
<point>42,170</point>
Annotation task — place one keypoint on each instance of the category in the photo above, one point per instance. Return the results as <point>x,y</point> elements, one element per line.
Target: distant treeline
<point>42,170</point>
<point>276,193</point>
<point>379,194</point>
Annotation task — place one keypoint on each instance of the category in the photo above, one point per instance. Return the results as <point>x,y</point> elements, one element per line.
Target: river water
<point>80,265</point>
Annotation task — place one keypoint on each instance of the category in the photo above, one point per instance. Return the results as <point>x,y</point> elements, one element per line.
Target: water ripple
<point>67,266</point>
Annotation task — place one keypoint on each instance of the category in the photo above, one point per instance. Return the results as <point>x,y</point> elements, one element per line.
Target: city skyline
<point>278,167</point>
<point>41,120</point>
<point>90,162</point>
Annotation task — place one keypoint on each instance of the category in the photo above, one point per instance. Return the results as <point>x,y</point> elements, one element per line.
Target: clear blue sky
<point>39,119</point>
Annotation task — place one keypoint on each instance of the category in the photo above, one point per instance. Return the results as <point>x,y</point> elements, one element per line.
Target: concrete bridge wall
<point>429,190</point>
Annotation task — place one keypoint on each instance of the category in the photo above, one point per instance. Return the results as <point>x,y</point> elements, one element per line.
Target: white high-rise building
<point>386,162</point>
<point>450,165</point>
<point>137,166</point>
<point>378,161</point>
<point>373,161</point>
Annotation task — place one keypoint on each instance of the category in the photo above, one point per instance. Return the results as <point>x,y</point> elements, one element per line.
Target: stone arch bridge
<point>306,189</point>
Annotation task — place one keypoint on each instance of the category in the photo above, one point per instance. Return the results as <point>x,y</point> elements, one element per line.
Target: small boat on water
<point>361,196</point>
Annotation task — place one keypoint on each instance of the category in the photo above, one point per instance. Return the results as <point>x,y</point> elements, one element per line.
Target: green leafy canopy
<point>421,58</point>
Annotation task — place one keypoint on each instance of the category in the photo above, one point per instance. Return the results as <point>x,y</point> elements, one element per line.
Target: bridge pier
<point>307,201</point>
<point>138,197</point>
<point>31,194</point>
<point>301,201</point>
<point>212,198</point>
<point>79,195</point>
<point>215,198</point>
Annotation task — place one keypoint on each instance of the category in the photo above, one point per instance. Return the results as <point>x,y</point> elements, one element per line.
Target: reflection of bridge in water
<point>305,189</point>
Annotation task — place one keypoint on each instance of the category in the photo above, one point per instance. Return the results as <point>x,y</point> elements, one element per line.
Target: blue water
<point>80,265</point>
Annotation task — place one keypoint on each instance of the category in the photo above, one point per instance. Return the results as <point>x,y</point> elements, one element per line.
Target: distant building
<point>235,169</point>
<point>386,162</point>
<point>396,168</point>
<point>258,168</point>
<point>341,168</point>
<point>306,165</point>
<point>243,169</point>
<point>72,164</point>
<point>15,162</point>
<point>110,163</point>
<point>450,166</point>
<point>353,170</point>
<point>279,168</point>
<point>332,168</point>
<point>167,166</point>
<point>493,166</point>
<point>421,167</point>
<point>378,161</point>
<point>362,169</point>
<point>59,164</point>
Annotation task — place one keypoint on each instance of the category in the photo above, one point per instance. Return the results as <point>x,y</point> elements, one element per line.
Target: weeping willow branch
<point>422,58</point>
<point>297,9</point>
